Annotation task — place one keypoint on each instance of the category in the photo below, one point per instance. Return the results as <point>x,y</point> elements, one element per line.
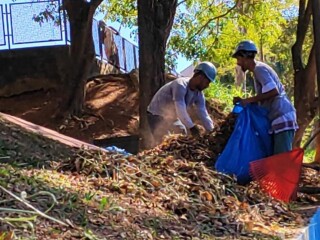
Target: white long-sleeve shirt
<point>174,98</point>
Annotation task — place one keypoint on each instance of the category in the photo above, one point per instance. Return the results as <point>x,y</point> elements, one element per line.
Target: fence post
<point>124,54</point>
<point>8,28</point>
<point>134,56</point>
<point>64,13</point>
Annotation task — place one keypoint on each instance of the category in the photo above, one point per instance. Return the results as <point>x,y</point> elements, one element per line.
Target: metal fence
<point>18,30</point>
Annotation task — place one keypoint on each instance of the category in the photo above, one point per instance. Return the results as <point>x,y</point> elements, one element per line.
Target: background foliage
<point>210,30</point>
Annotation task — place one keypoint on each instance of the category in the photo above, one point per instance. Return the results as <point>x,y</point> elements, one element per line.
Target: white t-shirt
<point>282,114</point>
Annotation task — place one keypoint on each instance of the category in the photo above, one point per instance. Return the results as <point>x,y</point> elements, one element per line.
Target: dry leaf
<point>206,196</point>
<point>248,226</point>
<point>6,235</point>
<point>155,183</point>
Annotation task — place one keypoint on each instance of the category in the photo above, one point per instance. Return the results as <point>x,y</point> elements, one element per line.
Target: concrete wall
<point>32,69</point>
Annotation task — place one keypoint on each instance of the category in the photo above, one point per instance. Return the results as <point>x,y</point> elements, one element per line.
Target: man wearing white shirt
<point>270,94</point>
<point>168,108</point>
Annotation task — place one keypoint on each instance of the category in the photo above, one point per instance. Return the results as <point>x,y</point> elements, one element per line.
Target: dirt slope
<point>112,109</point>
<point>111,104</point>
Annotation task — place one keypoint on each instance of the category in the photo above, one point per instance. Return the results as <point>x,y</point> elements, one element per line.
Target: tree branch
<point>309,190</point>
<point>303,24</point>
<point>32,207</point>
<point>181,3</point>
<point>302,9</point>
<point>313,166</point>
<point>214,18</point>
<point>311,65</point>
<point>208,7</point>
<point>95,3</point>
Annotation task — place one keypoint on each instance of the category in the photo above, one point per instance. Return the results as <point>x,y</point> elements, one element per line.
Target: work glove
<point>195,131</point>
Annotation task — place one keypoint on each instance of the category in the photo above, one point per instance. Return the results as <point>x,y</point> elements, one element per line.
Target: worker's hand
<point>237,100</point>
<point>244,102</point>
<point>195,131</point>
<point>216,128</point>
<point>241,101</point>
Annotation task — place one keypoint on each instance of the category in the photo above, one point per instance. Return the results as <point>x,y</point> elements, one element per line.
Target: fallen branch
<point>312,166</point>
<point>309,190</point>
<point>16,210</point>
<point>32,207</point>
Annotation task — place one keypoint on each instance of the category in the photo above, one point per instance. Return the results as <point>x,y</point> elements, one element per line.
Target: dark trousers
<point>282,141</point>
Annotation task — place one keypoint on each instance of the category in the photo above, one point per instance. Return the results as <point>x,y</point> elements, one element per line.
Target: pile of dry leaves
<point>49,191</point>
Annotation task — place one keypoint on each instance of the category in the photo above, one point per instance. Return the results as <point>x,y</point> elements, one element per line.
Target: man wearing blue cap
<point>168,108</point>
<point>270,94</point>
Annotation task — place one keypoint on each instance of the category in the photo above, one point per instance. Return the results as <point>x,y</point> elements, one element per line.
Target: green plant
<point>90,235</point>
<point>308,155</point>
<point>88,196</point>
<point>223,93</point>
<point>103,203</point>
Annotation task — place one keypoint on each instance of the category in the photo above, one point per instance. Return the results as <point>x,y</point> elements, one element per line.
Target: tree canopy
<point>210,30</point>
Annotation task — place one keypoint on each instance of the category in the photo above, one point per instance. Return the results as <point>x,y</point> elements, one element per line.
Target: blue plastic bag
<point>314,227</point>
<point>237,108</point>
<point>115,149</point>
<point>249,141</point>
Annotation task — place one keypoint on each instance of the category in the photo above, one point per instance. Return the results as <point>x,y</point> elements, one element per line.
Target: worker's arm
<point>264,78</point>
<point>179,92</point>
<point>258,98</point>
<point>203,113</point>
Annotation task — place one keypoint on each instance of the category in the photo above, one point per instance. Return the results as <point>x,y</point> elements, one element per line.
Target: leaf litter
<point>169,192</point>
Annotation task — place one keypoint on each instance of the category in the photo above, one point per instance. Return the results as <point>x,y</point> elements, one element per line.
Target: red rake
<point>279,174</point>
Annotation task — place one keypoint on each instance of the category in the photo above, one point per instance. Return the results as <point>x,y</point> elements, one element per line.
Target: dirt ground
<point>112,104</point>
<point>111,101</point>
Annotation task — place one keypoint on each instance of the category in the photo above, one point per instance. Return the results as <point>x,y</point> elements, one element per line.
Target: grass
<point>310,152</point>
<point>309,155</point>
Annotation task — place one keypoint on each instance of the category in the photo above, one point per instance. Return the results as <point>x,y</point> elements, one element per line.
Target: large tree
<point>80,14</point>
<point>75,67</point>
<point>305,69</point>
<point>155,19</point>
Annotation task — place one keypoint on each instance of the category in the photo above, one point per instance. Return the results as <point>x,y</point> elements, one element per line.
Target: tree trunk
<point>261,53</point>
<point>155,19</point>
<point>316,30</point>
<point>317,142</point>
<point>304,77</point>
<point>81,53</point>
<point>316,34</point>
<point>304,97</point>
